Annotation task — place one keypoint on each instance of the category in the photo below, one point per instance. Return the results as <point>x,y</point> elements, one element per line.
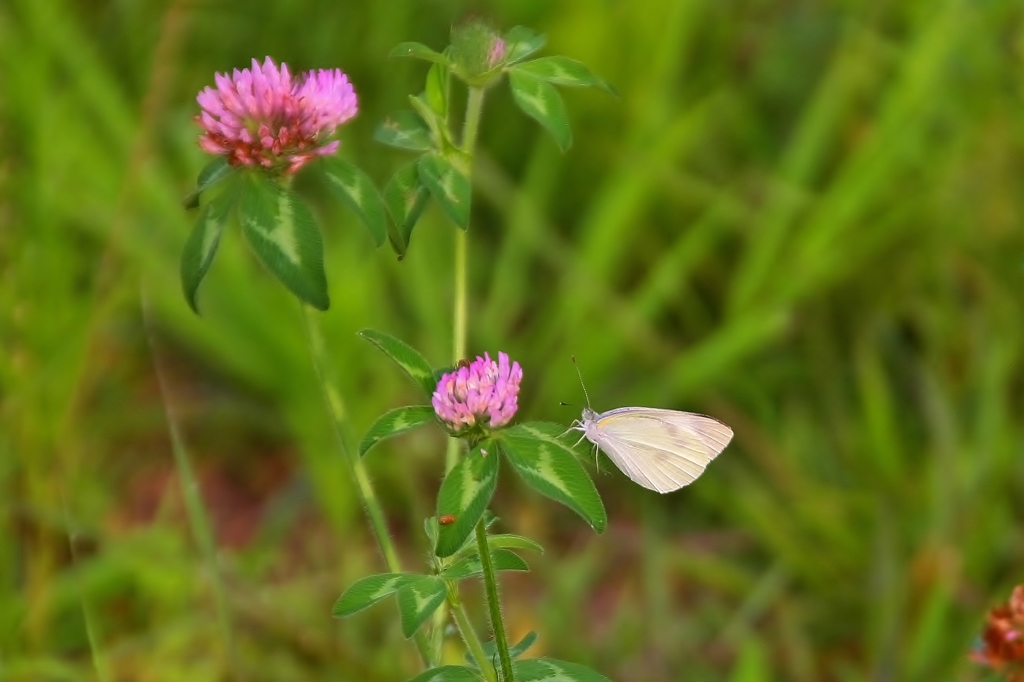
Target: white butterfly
<point>662,450</point>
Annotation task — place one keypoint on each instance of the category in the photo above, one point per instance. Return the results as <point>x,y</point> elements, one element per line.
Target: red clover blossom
<point>267,117</point>
<point>481,393</point>
<point>1002,643</point>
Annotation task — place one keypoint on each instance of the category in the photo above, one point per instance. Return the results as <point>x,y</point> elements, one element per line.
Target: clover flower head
<point>1002,642</point>
<point>266,117</point>
<point>481,393</point>
<point>497,52</point>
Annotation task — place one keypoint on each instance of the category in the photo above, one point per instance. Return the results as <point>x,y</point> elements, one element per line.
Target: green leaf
<point>370,590</point>
<point>211,174</point>
<point>355,188</point>
<point>419,51</point>
<point>405,197</point>
<point>449,185</point>
<point>430,527</point>
<point>546,461</point>
<point>564,71</point>
<point>201,247</point>
<point>541,102</point>
<point>521,42</point>
<point>550,670</point>
<point>437,88</point>
<point>281,230</point>
<point>405,356</point>
<point>503,541</point>
<point>438,128</point>
<point>404,129</point>
<point>448,673</point>
<point>395,422</point>
<point>467,567</point>
<point>509,541</point>
<point>418,600</point>
<point>514,651</point>
<point>465,494</point>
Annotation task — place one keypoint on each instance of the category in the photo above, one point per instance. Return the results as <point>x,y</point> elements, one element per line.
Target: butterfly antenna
<point>580,375</point>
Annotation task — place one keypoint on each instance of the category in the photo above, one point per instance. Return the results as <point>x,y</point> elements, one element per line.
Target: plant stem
<point>474,107</point>
<point>364,488</point>
<point>469,635</point>
<point>493,602</point>
<point>470,126</point>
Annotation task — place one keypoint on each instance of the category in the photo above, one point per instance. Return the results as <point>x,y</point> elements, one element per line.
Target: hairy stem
<point>469,635</point>
<point>364,488</point>
<point>493,602</point>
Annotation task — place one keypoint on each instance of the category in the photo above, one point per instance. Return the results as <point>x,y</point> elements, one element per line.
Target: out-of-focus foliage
<point>801,217</point>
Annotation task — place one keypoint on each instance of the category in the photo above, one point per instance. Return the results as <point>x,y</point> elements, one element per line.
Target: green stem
<point>474,108</point>
<point>364,488</point>
<point>493,602</point>
<point>469,635</point>
<point>471,125</point>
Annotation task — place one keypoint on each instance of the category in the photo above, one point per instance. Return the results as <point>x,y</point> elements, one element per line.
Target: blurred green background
<point>801,217</point>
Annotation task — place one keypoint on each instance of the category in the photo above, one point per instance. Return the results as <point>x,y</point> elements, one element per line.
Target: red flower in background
<point>1002,642</point>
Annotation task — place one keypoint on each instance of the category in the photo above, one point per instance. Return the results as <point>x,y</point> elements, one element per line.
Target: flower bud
<point>478,52</point>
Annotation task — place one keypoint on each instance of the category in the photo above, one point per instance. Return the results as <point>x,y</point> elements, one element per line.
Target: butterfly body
<point>661,450</point>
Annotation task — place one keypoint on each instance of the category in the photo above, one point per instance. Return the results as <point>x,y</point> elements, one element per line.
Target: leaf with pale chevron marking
<point>539,452</point>
<point>448,184</point>
<point>395,422</point>
<point>283,234</point>
<point>368,591</point>
<point>355,188</point>
<point>418,600</point>
<point>564,71</point>
<point>550,670</point>
<point>465,493</point>
<point>201,247</point>
<point>541,102</point>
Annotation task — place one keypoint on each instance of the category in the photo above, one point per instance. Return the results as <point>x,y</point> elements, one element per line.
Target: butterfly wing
<point>662,450</point>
